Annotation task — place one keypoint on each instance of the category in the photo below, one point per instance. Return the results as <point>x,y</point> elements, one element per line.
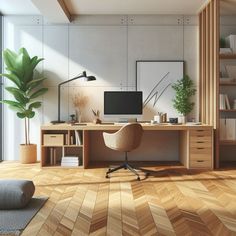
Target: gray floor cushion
<point>15,194</point>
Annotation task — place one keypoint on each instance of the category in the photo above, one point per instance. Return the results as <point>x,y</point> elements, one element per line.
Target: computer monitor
<point>123,103</point>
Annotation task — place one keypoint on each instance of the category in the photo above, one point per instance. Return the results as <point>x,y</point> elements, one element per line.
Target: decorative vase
<point>78,115</point>
<point>28,153</point>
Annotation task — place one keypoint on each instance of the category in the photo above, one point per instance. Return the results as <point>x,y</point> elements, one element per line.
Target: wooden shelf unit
<point>228,113</point>
<point>227,83</point>
<point>228,56</point>
<point>227,142</point>
<point>227,110</point>
<point>68,146</point>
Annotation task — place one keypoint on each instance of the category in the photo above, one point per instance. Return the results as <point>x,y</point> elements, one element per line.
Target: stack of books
<point>70,161</point>
<point>224,102</point>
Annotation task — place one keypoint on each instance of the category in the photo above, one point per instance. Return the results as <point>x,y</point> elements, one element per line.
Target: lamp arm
<point>83,74</point>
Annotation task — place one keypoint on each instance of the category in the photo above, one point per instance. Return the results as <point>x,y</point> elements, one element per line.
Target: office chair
<point>124,140</point>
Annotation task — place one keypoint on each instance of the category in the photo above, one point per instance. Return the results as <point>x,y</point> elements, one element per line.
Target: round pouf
<point>15,194</point>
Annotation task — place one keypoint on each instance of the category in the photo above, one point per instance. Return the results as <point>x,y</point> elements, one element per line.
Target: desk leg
<point>184,148</point>
<point>86,148</point>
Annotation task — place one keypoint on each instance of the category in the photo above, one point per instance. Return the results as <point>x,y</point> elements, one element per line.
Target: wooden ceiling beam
<point>55,11</point>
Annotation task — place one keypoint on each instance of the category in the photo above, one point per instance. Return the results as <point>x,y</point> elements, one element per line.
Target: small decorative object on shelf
<point>173,120</point>
<point>79,102</point>
<point>184,89</point>
<point>96,119</point>
<point>72,118</point>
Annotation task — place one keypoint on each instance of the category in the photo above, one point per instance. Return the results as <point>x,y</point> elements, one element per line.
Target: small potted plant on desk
<point>25,89</point>
<point>184,89</point>
<point>96,119</point>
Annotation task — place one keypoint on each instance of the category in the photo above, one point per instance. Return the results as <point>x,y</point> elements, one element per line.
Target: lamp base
<point>54,122</point>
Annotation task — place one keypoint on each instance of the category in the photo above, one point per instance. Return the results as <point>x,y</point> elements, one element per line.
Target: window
<point>1,87</point>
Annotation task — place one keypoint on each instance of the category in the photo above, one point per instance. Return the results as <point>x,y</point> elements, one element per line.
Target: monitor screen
<point>123,103</point>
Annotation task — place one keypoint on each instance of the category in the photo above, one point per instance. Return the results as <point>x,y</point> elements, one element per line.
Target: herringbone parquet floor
<point>172,201</point>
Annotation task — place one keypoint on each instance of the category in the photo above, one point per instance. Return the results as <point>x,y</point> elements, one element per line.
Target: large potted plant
<point>25,89</point>
<point>184,89</point>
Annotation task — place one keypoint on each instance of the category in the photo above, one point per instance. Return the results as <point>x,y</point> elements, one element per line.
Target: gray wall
<point>105,46</point>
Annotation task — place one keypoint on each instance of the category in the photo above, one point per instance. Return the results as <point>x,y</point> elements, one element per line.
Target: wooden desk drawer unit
<point>200,148</point>
<point>53,139</point>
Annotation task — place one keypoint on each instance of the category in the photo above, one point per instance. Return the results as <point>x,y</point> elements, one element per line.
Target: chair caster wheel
<point>109,169</point>
<point>138,178</point>
<point>107,176</point>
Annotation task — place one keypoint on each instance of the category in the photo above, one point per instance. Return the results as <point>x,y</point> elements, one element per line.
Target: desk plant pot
<point>25,87</point>
<point>28,153</point>
<point>182,119</point>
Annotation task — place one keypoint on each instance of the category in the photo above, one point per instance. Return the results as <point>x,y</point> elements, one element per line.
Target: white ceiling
<point>77,7</point>
<point>134,6</point>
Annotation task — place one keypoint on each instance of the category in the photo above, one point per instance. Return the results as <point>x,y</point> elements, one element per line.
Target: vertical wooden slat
<point>217,71</point>
<point>209,66</point>
<point>85,148</point>
<point>204,68</point>
<point>200,66</point>
<point>211,62</point>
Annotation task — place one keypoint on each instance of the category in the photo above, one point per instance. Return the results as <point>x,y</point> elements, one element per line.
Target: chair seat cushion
<point>15,194</point>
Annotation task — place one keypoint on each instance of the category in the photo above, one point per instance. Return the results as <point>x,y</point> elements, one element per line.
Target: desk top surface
<point>116,126</point>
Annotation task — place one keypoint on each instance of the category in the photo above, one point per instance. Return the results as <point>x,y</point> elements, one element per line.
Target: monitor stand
<point>127,120</point>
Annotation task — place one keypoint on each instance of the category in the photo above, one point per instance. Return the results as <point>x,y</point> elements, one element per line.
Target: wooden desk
<point>195,142</point>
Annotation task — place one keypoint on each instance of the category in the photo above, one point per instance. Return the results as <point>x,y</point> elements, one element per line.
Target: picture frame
<point>155,79</point>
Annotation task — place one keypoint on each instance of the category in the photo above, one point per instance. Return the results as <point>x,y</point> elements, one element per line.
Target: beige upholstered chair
<point>124,140</point>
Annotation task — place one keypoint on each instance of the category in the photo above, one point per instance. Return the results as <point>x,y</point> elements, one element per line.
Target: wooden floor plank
<point>171,201</point>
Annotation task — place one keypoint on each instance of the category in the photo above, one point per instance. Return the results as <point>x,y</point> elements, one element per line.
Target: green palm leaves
<point>25,88</point>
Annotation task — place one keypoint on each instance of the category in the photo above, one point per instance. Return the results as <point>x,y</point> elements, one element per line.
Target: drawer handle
<point>200,148</point>
<point>200,142</point>
<point>200,161</point>
<point>53,136</point>
<point>200,136</point>
<point>200,130</point>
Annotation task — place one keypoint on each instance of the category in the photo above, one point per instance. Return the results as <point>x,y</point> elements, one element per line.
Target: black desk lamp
<point>82,75</point>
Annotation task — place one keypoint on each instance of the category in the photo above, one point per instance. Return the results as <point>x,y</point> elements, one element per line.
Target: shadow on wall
<point>106,51</point>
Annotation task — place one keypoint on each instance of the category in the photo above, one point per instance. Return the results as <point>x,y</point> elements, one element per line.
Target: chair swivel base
<point>124,166</point>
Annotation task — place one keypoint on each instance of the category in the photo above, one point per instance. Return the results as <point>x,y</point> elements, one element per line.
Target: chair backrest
<point>126,139</point>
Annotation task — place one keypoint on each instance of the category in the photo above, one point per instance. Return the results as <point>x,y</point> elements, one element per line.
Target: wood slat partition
<point>209,68</point>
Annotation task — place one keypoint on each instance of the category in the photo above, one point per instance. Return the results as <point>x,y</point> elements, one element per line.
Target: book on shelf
<point>227,102</point>
<point>231,42</point>
<point>227,129</point>
<point>78,138</point>
<point>71,139</point>
<point>52,156</point>
<point>66,139</point>
<point>224,102</point>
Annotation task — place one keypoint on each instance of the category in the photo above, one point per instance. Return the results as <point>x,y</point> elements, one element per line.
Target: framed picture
<point>155,80</point>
